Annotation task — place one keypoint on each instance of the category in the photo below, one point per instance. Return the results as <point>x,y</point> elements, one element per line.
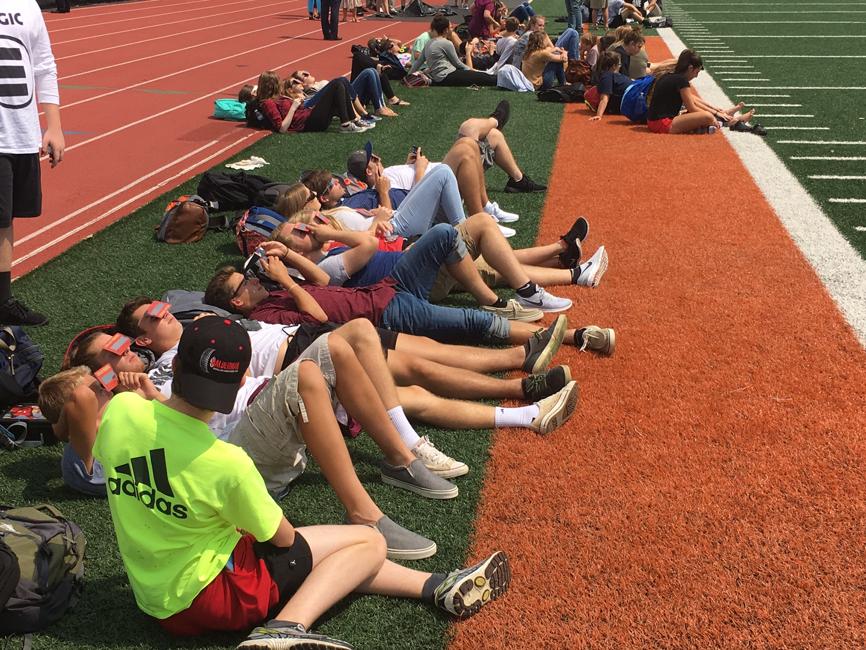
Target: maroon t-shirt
<point>477,24</point>
<point>340,304</point>
<point>277,109</point>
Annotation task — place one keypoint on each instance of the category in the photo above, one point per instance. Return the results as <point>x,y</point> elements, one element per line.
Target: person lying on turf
<point>272,425</point>
<point>189,566</point>
<point>366,84</point>
<point>274,347</point>
<point>383,305</point>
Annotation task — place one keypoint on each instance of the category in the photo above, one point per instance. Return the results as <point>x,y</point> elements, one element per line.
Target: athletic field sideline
<point>87,285</point>
<point>800,64</point>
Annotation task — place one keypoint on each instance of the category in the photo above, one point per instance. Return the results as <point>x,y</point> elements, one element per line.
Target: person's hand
<point>296,103</point>
<point>421,161</point>
<point>138,382</point>
<point>382,213</point>
<point>595,118</point>
<point>275,269</point>
<point>383,229</point>
<point>54,145</point>
<point>275,248</point>
<point>322,232</point>
<point>204,314</point>
<point>383,184</point>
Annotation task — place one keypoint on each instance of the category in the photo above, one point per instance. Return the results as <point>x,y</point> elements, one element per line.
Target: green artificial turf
<point>824,30</point>
<point>87,285</point>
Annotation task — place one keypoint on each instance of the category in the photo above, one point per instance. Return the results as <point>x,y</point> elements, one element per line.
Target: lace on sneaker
<point>534,384</point>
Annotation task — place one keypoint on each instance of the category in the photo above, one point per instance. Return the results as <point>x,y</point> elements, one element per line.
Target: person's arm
<point>45,78</point>
<point>419,61</point>
<point>421,164</point>
<point>602,106</point>
<point>140,383</point>
<point>382,185</point>
<point>470,48</point>
<point>81,423</point>
<point>362,246</point>
<point>285,535</point>
<point>308,268</point>
<point>688,99</point>
<point>287,120</point>
<point>277,271</point>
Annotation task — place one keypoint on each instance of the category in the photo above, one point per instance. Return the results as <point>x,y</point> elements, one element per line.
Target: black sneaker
<point>277,634</point>
<point>543,345</point>
<point>537,387</point>
<point>502,112</point>
<point>525,184</point>
<point>573,239</point>
<point>15,312</point>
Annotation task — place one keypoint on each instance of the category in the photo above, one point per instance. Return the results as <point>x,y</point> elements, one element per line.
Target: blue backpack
<point>256,226</point>
<point>635,100</point>
<point>20,363</point>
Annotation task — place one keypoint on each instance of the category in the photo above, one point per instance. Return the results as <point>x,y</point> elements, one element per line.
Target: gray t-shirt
<point>505,48</point>
<point>441,59</point>
<point>519,49</point>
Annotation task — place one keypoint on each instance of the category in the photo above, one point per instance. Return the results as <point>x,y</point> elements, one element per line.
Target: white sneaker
<point>502,216</point>
<point>351,127</point>
<point>437,462</point>
<point>593,269</point>
<point>545,301</point>
<point>506,231</point>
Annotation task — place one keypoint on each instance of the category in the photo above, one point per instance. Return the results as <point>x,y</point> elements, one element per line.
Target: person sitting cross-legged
<point>183,498</point>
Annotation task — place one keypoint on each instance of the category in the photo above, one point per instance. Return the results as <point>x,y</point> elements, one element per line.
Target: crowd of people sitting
<point>195,411</point>
<point>512,51</point>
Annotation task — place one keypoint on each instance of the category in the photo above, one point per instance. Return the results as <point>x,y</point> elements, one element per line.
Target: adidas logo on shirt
<point>147,481</point>
<point>16,81</point>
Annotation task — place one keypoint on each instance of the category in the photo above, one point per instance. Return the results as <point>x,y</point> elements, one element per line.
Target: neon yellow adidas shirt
<point>177,497</point>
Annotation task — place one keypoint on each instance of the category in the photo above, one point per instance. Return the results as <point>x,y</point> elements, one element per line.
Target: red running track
<point>137,84</point>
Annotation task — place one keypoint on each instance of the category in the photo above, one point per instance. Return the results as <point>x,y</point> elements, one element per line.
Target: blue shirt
<point>380,266</point>
<point>369,199</point>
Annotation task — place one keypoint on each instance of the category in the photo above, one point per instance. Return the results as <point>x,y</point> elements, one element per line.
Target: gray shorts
<point>486,151</point>
<point>269,431</point>
<point>76,476</point>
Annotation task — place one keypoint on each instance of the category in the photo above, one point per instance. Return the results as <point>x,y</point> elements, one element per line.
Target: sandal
<point>741,127</point>
<point>400,102</point>
<point>757,129</point>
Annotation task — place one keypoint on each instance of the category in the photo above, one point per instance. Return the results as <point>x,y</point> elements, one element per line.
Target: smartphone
<point>158,309</point>
<point>118,344</point>
<point>106,377</point>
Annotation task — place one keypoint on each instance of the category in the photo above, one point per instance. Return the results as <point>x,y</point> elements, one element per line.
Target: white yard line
<point>847,200</point>
<point>795,87</point>
<point>827,157</point>
<point>776,105</point>
<point>840,142</point>
<point>794,115</point>
<point>837,264</point>
<point>739,79</point>
<point>761,95</point>
<point>837,177</point>
<point>797,128</point>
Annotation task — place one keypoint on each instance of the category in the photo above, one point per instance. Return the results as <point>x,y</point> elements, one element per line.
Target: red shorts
<point>660,126</point>
<point>264,577</point>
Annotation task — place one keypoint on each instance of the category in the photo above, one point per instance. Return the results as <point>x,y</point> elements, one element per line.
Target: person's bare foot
<point>744,118</point>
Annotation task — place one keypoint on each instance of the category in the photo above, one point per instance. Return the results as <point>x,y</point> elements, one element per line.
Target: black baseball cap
<point>357,163</point>
<point>214,355</point>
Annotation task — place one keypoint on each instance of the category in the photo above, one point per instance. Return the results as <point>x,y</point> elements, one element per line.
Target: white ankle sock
<point>521,416</point>
<point>407,432</point>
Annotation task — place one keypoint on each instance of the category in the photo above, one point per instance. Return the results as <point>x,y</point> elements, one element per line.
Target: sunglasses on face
<point>312,195</point>
<point>247,276</point>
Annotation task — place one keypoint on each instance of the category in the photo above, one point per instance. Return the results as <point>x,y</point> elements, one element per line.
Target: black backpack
<point>20,363</point>
<point>268,196</point>
<point>562,94</point>
<point>231,191</point>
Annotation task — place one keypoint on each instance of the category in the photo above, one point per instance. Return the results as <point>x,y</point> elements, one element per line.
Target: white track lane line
<point>258,30</point>
<point>839,267</point>
<point>89,16</point>
<point>171,35</point>
<point>129,201</point>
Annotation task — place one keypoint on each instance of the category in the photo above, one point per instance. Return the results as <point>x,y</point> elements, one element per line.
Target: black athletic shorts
<point>289,567</point>
<point>20,187</point>
<point>306,334</point>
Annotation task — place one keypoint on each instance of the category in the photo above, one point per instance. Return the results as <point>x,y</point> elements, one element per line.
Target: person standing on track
<point>28,72</point>
<point>330,19</point>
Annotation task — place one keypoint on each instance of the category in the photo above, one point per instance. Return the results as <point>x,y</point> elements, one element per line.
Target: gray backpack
<point>50,553</point>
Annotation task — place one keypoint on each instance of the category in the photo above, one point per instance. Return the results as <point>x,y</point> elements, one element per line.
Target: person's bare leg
<point>364,340</point>
<point>495,249</point>
<point>462,356</point>
<point>466,273</point>
<point>690,122</point>
<point>540,255</point>
<point>423,405</point>
<point>464,161</point>
<point>360,399</point>
<point>325,442</point>
<point>344,558</point>
<point>447,381</point>
<point>545,276</point>
<point>502,155</point>
<point>476,128</point>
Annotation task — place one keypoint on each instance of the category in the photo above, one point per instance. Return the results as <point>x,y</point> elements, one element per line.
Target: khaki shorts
<point>269,430</point>
<point>597,4</point>
<point>445,284</point>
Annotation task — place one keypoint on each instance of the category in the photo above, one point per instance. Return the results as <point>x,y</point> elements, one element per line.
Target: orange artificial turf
<point>709,491</point>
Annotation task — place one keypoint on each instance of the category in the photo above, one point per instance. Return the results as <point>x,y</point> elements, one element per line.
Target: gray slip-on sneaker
<point>416,478</point>
<point>403,544</point>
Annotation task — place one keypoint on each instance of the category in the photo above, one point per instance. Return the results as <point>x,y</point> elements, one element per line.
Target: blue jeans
<point>435,195</point>
<point>523,12</point>
<point>369,88</point>
<point>414,276</point>
<point>311,4</point>
<point>312,101</point>
<point>75,474</point>
<point>553,75</point>
<point>573,9</point>
<point>569,41</point>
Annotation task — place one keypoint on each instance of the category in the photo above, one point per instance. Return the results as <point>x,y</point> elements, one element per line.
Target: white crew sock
<point>521,416</point>
<point>407,432</point>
